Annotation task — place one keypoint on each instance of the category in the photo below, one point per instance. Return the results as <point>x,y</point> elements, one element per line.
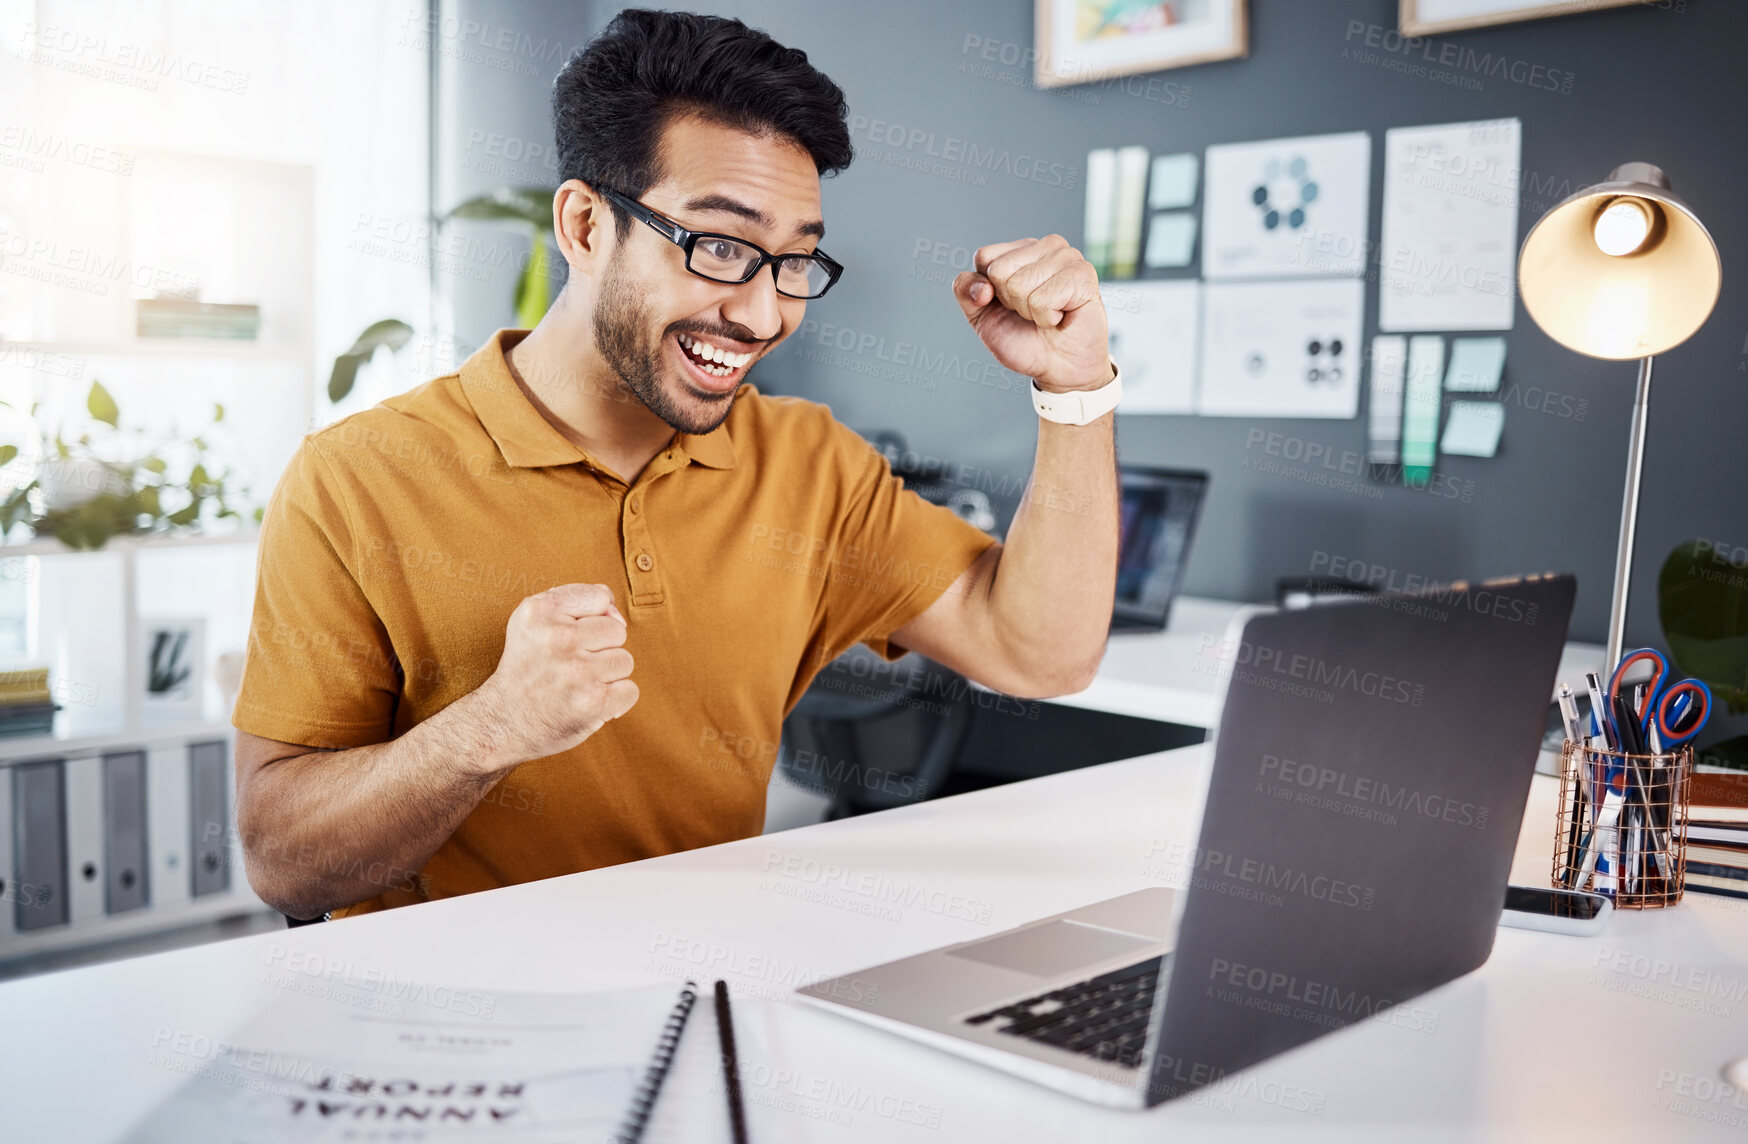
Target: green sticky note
<point>1426,359</point>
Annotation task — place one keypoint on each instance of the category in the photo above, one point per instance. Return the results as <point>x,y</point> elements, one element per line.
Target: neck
<point>564,376</point>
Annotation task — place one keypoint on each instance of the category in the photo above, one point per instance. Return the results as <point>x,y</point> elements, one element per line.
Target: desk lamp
<point>1619,271</point>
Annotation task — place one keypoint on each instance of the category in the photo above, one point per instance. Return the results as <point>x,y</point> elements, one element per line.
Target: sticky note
<point>1173,183</point>
<point>1473,428</point>
<point>1171,239</point>
<point>1126,221</point>
<point>1384,436</point>
<point>1101,205</point>
<point>1426,359</point>
<point>1475,365</point>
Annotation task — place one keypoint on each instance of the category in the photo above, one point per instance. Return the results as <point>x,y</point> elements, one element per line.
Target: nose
<point>756,305</point>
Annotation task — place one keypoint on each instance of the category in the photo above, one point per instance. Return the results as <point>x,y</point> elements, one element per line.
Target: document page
<point>445,1065</point>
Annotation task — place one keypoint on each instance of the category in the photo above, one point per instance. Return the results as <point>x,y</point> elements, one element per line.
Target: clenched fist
<point>563,674</point>
<point>1036,305</point>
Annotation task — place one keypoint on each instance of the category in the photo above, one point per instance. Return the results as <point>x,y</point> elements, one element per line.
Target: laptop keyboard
<point>1104,1017</point>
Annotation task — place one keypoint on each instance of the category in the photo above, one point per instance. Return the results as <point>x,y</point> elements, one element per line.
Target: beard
<point>621,326</point>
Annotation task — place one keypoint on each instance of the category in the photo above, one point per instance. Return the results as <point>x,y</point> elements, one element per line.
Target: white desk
<point>1175,676</point>
<point>1552,1039</point>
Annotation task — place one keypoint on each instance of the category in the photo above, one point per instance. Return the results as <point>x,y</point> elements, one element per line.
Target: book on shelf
<point>1705,833</point>
<point>1715,878</point>
<point>24,685</point>
<point>182,318</point>
<point>1718,796</point>
<point>28,719</point>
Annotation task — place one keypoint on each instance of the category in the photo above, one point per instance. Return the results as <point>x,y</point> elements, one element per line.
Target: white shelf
<point>23,749</point>
<point>236,901</point>
<point>49,546</point>
<point>170,347</point>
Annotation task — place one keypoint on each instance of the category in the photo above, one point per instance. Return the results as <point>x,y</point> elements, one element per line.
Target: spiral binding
<point>643,1101</point>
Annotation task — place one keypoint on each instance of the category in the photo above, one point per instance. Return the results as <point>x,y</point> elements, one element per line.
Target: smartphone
<point>1554,911</point>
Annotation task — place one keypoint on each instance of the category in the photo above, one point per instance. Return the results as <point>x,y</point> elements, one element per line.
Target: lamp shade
<point>1620,270</point>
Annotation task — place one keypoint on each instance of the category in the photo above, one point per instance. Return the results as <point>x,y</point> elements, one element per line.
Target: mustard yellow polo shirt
<point>399,540</point>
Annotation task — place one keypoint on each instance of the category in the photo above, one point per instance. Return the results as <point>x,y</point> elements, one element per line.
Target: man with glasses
<point>547,613</point>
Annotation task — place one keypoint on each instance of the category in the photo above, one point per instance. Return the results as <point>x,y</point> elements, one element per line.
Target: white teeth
<point>705,352</point>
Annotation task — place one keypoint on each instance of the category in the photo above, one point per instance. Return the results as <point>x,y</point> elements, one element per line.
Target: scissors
<point>1678,701</point>
<point>1672,713</point>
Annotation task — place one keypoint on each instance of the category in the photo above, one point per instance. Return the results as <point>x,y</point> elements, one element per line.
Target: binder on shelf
<point>168,834</point>
<point>124,831</point>
<point>209,821</point>
<point>8,865</point>
<point>85,865</point>
<point>40,845</point>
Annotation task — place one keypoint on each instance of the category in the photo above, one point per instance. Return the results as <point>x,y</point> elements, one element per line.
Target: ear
<point>582,223</point>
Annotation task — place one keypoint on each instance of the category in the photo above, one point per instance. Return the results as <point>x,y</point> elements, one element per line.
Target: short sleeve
<point>896,553</point>
<point>320,670</point>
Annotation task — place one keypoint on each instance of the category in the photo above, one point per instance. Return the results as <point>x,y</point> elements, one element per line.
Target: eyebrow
<point>725,205</point>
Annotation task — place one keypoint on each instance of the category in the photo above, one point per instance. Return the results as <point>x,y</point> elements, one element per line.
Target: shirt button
<point>644,562</point>
<point>632,504</point>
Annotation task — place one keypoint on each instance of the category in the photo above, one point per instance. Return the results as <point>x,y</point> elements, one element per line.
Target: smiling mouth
<point>713,361</point>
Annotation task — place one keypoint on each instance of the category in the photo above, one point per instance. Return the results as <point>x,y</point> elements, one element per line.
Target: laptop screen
<point>1158,519</point>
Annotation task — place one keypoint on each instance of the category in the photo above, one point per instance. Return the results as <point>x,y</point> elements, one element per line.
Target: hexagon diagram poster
<point>1287,208</point>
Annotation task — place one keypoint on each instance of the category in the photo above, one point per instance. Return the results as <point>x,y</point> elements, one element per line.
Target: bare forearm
<point>329,828</point>
<point>1052,593</point>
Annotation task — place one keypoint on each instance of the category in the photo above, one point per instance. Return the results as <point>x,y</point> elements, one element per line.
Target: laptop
<point>1370,771</point>
<point>1158,517</point>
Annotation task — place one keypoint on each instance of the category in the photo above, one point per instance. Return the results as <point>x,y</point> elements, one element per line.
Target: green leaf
<point>7,452</point>
<point>390,332</point>
<point>154,464</point>
<point>345,375</point>
<point>533,289</point>
<point>218,411</point>
<point>521,204</point>
<point>101,405</point>
<point>197,479</point>
<point>16,509</point>
<point>1702,601</point>
<point>186,515</point>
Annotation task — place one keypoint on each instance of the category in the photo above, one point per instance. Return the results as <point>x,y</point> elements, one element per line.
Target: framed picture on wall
<point>174,651</point>
<point>1430,17</point>
<point>1084,40</point>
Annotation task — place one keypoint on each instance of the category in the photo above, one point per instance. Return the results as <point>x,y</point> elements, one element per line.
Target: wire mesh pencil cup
<point>1621,826</point>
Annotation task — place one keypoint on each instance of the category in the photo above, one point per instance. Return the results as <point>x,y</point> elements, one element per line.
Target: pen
<point>737,1118</point>
<point>1569,713</point>
<point>1599,711</point>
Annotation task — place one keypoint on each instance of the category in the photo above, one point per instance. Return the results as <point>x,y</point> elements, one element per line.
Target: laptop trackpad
<point>1053,948</point>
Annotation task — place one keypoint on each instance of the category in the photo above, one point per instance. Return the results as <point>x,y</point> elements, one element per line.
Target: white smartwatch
<point>1079,406</point>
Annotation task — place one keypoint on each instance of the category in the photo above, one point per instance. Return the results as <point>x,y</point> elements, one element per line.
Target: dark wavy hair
<point>616,95</point>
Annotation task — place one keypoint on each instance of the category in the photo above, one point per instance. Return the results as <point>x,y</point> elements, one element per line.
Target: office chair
<point>872,735</point>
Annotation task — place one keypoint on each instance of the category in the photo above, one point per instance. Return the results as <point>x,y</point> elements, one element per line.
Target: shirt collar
<point>529,441</point>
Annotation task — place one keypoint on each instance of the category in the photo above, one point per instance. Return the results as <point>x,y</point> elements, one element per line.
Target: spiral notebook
<point>327,1058</point>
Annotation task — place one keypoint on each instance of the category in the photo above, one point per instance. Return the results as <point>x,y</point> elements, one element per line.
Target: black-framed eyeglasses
<point>725,258</point>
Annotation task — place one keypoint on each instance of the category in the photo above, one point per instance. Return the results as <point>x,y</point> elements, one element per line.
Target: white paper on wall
<point>1287,207</point>
<point>1281,349</point>
<point>1155,328</point>
<point>1448,253</point>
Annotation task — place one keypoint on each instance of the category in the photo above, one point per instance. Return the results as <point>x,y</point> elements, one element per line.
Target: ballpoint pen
<point>737,1117</point>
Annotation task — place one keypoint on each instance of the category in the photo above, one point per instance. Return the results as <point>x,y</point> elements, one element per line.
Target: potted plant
<point>109,481</point>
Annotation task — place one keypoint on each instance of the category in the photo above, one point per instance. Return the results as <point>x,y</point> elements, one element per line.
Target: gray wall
<point>1663,84</point>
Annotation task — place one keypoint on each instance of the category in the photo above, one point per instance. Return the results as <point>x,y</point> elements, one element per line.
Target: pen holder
<point>1621,827</point>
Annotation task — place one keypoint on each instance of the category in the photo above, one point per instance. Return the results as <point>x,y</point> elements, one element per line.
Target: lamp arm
<point>1623,562</point>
